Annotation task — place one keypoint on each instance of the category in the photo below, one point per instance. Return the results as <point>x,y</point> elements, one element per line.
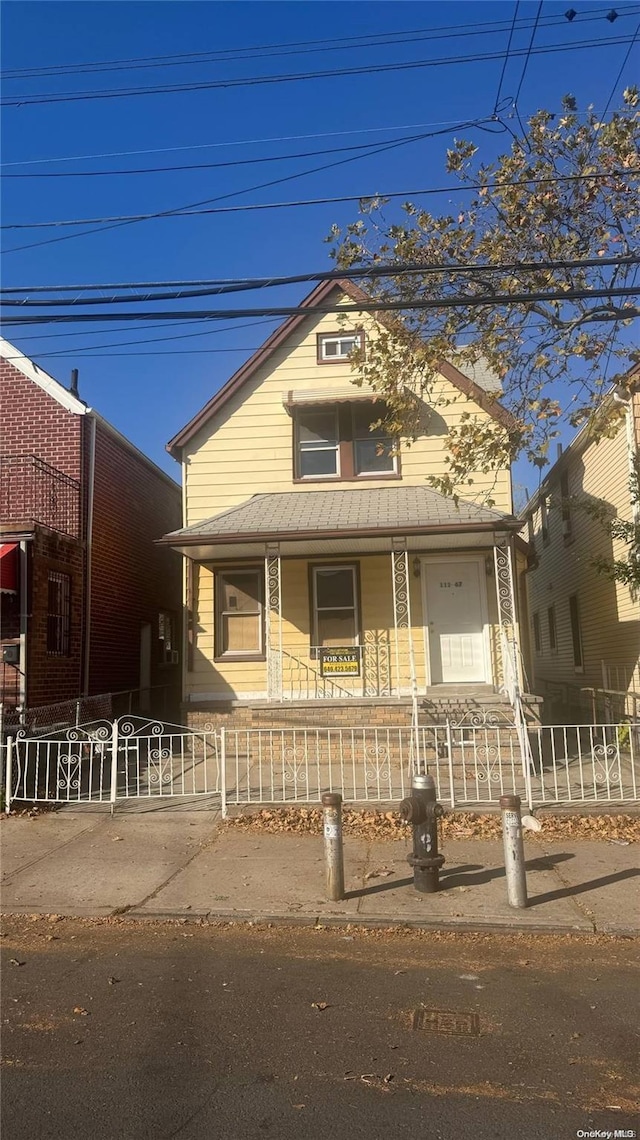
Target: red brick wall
<point>34,423</point>
<point>51,678</point>
<point>132,579</point>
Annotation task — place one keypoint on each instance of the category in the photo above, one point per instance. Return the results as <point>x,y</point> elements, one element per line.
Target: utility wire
<point>300,47</point>
<point>213,165</point>
<point>216,288</point>
<point>506,57</point>
<point>529,53</point>
<point>233,142</point>
<point>249,189</point>
<point>622,67</point>
<point>27,100</point>
<point>455,302</point>
<point>382,196</point>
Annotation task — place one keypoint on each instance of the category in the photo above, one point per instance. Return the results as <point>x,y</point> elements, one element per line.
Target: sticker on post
<point>331,831</point>
<point>511,819</point>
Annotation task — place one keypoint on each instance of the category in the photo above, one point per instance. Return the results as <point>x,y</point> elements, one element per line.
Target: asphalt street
<point>145,1031</point>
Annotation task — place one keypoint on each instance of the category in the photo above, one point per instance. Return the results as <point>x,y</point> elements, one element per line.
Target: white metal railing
<point>106,761</point>
<point>473,761</point>
<point>305,675</point>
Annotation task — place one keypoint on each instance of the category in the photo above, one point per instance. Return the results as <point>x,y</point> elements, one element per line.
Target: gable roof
<point>52,387</point>
<point>465,384</point>
<point>71,403</point>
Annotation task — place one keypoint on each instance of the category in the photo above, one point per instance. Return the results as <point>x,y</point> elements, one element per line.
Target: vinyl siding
<point>219,680</point>
<point>609,618</point>
<point>247,447</point>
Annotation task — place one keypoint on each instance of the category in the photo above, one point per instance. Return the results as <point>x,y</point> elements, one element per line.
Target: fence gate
<point>107,761</point>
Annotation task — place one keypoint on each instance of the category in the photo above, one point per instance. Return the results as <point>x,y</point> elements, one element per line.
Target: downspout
<point>24,623</point>
<point>88,556</point>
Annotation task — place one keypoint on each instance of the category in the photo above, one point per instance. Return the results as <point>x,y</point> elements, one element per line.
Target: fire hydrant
<point>423,812</point>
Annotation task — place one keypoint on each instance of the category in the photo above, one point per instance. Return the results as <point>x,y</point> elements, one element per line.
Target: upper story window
<point>372,449</point>
<point>566,506</point>
<point>338,346</point>
<point>336,441</point>
<point>318,443</point>
<point>544,519</point>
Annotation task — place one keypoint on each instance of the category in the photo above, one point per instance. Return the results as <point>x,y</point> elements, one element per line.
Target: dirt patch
<point>369,824</point>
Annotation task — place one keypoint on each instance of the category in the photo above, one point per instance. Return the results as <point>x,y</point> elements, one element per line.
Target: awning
<point>9,568</point>
<point>319,396</point>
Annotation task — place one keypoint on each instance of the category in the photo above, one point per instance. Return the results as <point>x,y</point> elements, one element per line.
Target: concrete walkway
<point>180,863</point>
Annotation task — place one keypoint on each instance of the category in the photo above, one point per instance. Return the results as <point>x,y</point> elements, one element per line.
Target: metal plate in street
<point>444,1021</point>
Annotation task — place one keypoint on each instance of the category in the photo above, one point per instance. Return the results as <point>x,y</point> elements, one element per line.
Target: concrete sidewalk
<point>180,863</point>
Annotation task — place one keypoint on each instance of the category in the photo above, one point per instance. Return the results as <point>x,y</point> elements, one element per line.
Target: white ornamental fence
<point>473,761</point>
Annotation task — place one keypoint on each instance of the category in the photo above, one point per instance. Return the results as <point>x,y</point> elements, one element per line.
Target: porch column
<point>402,625</point>
<point>273,623</point>
<point>509,648</point>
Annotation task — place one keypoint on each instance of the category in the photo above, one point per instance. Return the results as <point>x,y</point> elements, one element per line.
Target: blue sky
<point>149,397</point>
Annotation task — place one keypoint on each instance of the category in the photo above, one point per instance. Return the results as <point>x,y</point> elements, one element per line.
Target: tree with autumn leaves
<point>556,221</point>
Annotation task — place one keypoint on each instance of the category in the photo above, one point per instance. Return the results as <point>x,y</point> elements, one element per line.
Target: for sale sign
<point>342,661</point>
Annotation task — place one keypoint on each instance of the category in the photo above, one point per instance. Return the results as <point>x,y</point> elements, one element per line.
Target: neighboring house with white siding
<point>326,582</point>
<point>584,627</point>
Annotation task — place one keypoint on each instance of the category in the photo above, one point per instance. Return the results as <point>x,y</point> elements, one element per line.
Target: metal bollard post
<point>334,863</point>
<point>513,851</point>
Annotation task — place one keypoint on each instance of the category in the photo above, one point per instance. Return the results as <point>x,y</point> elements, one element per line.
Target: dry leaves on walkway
<point>371,824</point>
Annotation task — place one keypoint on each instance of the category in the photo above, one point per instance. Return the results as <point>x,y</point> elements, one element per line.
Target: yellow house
<point>325,581</point>
<point>585,627</point>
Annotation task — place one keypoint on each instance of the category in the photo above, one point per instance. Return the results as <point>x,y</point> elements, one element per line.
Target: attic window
<point>338,346</point>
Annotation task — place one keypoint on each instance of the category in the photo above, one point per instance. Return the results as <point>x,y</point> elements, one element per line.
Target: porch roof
<point>363,512</point>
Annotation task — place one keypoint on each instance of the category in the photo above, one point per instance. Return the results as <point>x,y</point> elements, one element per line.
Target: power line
<point>300,47</point>
<point>382,196</point>
<point>622,67</point>
<point>529,53</point>
<point>233,142</point>
<point>213,288</point>
<point>455,302</point>
<point>296,77</point>
<point>506,57</point>
<point>212,165</point>
<point>379,149</point>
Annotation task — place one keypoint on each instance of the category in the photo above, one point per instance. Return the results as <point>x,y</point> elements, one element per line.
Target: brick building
<point>89,603</point>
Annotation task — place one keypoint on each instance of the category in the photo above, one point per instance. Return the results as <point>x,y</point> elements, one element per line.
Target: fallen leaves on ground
<point>371,824</point>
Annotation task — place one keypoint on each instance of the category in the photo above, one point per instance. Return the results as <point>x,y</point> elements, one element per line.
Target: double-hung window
<point>372,449</point>
<point>335,441</point>
<point>239,626</point>
<point>335,606</point>
<point>318,443</point>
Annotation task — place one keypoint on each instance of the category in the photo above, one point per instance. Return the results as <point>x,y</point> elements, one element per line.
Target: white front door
<point>455,614</point>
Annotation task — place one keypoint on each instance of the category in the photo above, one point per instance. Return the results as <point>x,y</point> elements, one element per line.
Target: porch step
<point>454,703</point>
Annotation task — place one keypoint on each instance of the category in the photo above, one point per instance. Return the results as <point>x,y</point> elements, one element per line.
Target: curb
<point>337,922</point>
<point>372,922</point>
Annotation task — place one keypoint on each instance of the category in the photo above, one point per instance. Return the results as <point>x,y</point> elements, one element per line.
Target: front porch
<point>335,599</point>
